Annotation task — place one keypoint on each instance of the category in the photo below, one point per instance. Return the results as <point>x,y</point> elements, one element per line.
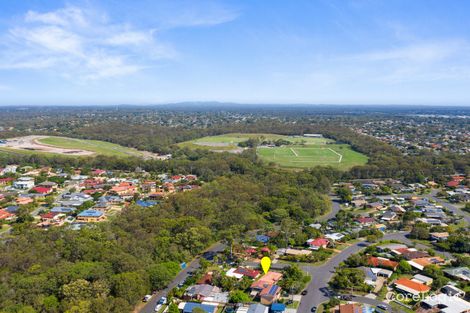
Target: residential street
<point>193,266</point>
<point>449,206</point>
<point>335,209</point>
<point>321,275</point>
<point>318,288</point>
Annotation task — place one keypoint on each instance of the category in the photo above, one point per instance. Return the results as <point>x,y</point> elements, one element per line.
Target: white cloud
<point>63,17</point>
<point>79,44</point>
<point>130,38</point>
<point>419,52</point>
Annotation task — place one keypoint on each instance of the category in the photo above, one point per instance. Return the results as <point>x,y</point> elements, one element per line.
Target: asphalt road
<point>456,210</point>
<point>321,275</point>
<point>335,209</point>
<point>193,266</point>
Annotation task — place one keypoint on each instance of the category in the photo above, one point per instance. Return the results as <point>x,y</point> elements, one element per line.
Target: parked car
<point>382,307</point>
<point>314,309</point>
<point>147,298</point>
<point>304,292</point>
<point>160,303</point>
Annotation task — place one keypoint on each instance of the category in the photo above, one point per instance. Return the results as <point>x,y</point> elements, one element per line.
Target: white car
<point>160,303</point>
<point>147,298</point>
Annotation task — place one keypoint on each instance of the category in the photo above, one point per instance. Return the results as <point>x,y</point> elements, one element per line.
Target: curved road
<point>321,275</point>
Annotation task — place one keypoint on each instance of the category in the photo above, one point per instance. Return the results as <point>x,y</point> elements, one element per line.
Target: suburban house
<point>42,190</point>
<point>124,189</point>
<point>24,183</point>
<point>334,236</point>
<point>453,291</point>
<point>422,279</point>
<point>373,273</point>
<point>206,293</point>
<point>270,294</point>
<point>5,215</point>
<point>389,216</point>
<point>270,278</point>
<point>421,263</point>
<point>257,308</point>
<point>316,244</point>
<point>63,210</point>
<point>445,304</point>
<point>391,247</point>
<point>6,181</point>
<point>365,221</point>
<point>462,273</point>
<point>350,308</point>
<point>23,200</point>
<point>442,236</point>
<point>358,203</point>
<point>382,262</point>
<point>408,286</point>
<point>90,216</point>
<point>48,184</point>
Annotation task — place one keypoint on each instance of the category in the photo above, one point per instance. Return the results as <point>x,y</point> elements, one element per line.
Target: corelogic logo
<point>405,298</point>
<point>400,297</point>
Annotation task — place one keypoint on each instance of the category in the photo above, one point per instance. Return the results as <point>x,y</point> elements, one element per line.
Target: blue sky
<point>312,51</point>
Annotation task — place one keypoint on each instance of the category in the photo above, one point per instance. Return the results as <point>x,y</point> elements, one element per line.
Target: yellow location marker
<point>265,264</point>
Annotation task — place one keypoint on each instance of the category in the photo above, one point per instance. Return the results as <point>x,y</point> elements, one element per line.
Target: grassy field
<point>99,147</point>
<point>229,142</point>
<point>303,153</point>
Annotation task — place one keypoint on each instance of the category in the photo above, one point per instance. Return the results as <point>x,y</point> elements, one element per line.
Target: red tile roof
<point>365,220</point>
<point>382,262</point>
<point>4,214</point>
<point>247,272</point>
<point>319,242</point>
<point>43,190</point>
<point>412,285</point>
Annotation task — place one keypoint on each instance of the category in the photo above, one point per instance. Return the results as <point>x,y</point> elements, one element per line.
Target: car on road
<point>160,303</point>
<point>314,309</point>
<point>304,293</point>
<point>382,307</point>
<point>147,298</point>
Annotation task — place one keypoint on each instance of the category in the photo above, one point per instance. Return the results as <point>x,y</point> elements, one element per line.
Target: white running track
<point>340,155</point>
<point>294,152</point>
<point>339,160</point>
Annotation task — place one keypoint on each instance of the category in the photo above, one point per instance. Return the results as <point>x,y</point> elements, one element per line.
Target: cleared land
<point>304,152</point>
<point>70,147</point>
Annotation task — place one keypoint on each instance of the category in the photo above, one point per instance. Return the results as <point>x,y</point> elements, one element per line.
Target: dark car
<point>209,255</point>
<point>314,309</point>
<point>304,293</point>
<point>382,307</point>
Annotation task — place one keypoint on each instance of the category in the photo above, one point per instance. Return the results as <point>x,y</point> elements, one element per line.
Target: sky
<point>303,51</point>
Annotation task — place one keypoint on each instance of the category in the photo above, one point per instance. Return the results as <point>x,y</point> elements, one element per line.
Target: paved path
<point>318,290</point>
<point>193,266</point>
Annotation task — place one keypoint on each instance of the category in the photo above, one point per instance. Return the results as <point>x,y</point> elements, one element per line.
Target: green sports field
<point>229,142</point>
<point>339,156</point>
<point>304,152</point>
